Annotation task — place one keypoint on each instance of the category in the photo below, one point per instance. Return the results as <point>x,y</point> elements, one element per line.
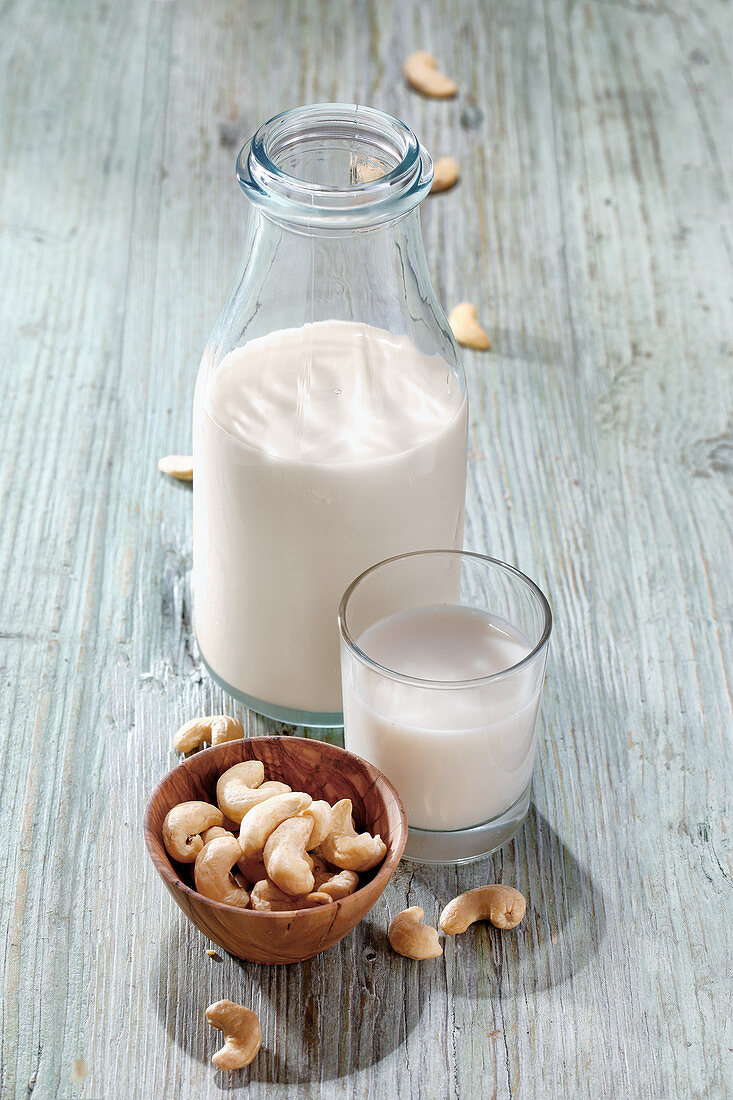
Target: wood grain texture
<point>591,225</point>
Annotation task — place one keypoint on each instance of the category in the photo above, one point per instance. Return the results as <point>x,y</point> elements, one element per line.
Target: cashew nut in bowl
<point>242,1034</point>
<point>214,728</point>
<point>214,832</point>
<point>463,319</point>
<point>241,787</point>
<point>345,848</point>
<point>422,73</point>
<point>253,870</point>
<point>212,872</point>
<point>269,898</point>
<point>411,938</point>
<point>502,905</point>
<point>263,819</point>
<point>320,813</point>
<point>337,884</point>
<point>182,827</point>
<point>285,857</point>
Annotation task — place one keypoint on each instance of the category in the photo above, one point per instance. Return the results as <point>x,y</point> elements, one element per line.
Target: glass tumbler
<point>330,413</point>
<point>443,659</point>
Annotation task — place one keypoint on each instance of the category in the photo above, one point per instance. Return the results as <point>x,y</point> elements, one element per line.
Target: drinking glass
<point>443,658</point>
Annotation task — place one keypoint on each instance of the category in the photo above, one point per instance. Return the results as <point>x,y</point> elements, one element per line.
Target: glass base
<point>466,845</point>
<point>323,720</point>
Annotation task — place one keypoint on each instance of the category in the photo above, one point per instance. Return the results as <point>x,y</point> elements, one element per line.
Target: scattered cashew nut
<point>410,937</point>
<point>212,872</point>
<point>182,828</point>
<point>285,856</point>
<point>214,728</point>
<point>422,73</point>
<point>445,174</point>
<point>320,814</point>
<point>345,848</point>
<point>502,905</point>
<point>265,818</point>
<point>241,787</point>
<point>178,466</point>
<point>463,319</point>
<point>242,1034</point>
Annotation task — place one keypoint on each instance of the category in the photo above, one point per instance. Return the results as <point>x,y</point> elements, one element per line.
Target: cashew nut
<point>214,832</point>
<point>502,905</point>
<point>336,885</point>
<point>212,872</point>
<point>242,1034</point>
<point>241,787</point>
<point>445,174</point>
<point>269,898</point>
<point>285,856</point>
<point>253,870</point>
<point>345,848</point>
<point>265,818</point>
<point>463,319</point>
<point>410,937</point>
<point>214,728</point>
<point>178,466</point>
<point>320,814</point>
<point>422,73</point>
<point>182,827</point>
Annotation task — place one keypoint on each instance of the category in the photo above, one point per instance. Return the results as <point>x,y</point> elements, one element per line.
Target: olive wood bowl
<point>323,771</point>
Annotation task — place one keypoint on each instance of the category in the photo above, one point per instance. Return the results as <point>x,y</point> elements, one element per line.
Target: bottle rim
<point>374,140</point>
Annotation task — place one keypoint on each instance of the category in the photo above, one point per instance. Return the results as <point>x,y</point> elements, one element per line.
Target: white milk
<point>458,755</point>
<point>318,452</point>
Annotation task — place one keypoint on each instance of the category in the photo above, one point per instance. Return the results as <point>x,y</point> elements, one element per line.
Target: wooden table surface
<point>591,225</point>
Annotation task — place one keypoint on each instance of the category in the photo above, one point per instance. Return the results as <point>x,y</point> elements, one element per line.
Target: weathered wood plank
<point>592,224</point>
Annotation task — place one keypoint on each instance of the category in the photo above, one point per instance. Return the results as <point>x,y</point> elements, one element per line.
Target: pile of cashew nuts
<point>291,852</point>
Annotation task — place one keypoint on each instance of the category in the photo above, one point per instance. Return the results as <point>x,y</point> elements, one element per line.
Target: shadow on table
<point>302,1008</point>
<point>561,933</point>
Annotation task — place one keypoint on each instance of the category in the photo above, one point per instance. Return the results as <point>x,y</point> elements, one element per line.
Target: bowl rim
<point>164,865</point>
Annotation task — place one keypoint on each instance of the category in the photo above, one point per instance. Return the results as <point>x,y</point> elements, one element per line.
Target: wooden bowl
<point>323,771</point>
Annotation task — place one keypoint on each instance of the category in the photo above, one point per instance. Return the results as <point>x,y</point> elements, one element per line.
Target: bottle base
<point>317,719</point>
<point>466,845</point>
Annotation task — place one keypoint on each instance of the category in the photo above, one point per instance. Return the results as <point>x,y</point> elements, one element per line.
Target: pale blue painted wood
<point>592,227</point>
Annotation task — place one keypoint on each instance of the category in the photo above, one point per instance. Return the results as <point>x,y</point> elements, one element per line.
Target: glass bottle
<point>330,413</point>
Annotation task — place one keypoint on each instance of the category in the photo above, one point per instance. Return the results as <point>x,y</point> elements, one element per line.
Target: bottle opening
<point>334,164</point>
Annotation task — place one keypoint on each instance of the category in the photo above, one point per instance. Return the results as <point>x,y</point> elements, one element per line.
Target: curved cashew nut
<point>214,832</point>
<point>320,814</point>
<point>285,856</point>
<point>241,787</point>
<point>182,826</point>
<point>345,848</point>
<point>463,319</point>
<point>337,885</point>
<point>253,870</point>
<point>269,898</point>
<point>411,938</point>
<point>242,1034</point>
<point>215,728</point>
<point>211,872</point>
<point>445,174</point>
<point>178,466</point>
<point>422,74</point>
<point>265,818</point>
<point>502,905</point>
